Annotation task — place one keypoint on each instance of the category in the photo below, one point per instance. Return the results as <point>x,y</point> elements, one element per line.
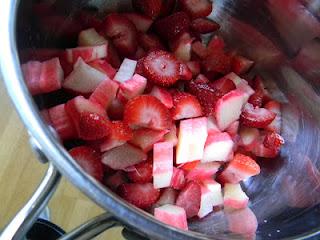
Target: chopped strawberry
<point>241,65</point>
<point>212,126</point>
<point>104,67</point>
<point>259,149</point>
<point>273,140</point>
<point>188,166</point>
<point>224,85</point>
<point>185,105</point>
<point>163,95</point>
<point>172,136</point>
<point>104,93</point>
<point>126,70</point>
<point>145,138</point>
<point>256,117</point>
<point>140,195</point>
<point>89,160</point>
<point>92,126</point>
<point>140,53</point>
<point>194,67</point>
<point>122,32</point>
<point>150,8</point>
<point>147,111</point>
<point>115,180</point>
<point>206,95</point>
<point>275,107</point>
<point>90,37</point>
<point>204,25</point>
<point>142,172</point>
<point>150,42</point>
<point>200,79</point>
<point>142,22</point>
<point>189,198</point>
<point>168,196</point>
<point>202,171</point>
<point>116,110</point>
<point>113,56</point>
<point>217,63</point>
<point>120,134</point>
<point>61,122</point>
<point>140,69</point>
<point>184,72</point>
<point>172,215</point>
<point>87,54</point>
<point>162,68</point>
<point>256,99</point>
<point>196,8</point>
<point>124,156</point>
<point>177,180</point>
<point>216,44</point>
<point>258,86</point>
<point>240,168</point>
<point>181,47</point>
<point>171,27</point>
<point>199,50</point>
<point>233,128</point>
<point>248,137</point>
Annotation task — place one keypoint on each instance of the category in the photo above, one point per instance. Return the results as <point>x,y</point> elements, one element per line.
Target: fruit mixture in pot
<point>171,124</point>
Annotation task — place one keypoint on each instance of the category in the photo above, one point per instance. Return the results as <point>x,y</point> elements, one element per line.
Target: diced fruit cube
<point>256,117</point>
<point>211,195</point>
<point>145,138</point>
<point>84,78</point>
<point>240,168</point>
<point>199,49</point>
<point>228,108</point>
<point>184,73</point>
<point>162,164</point>
<point>218,147</point>
<point>126,70</point>
<point>185,105</point>
<point>168,196</point>
<point>147,111</point>
<point>31,73</point>
<point>182,47</point>
<point>172,215</point>
<point>163,95</point>
<point>104,93</point>
<point>133,87</point>
<point>142,22</point>
<point>234,197</point>
<point>248,137</point>
<point>150,42</point>
<point>90,37</point>
<point>123,156</point>
<point>190,198</point>
<point>196,9</point>
<point>274,107</point>
<point>88,54</point>
<point>171,136</point>
<point>241,65</point>
<point>203,171</point>
<point>178,179</point>
<point>191,140</point>
<point>224,85</point>
<point>142,172</point>
<point>212,125</point>
<point>89,160</point>
<point>104,67</point>
<point>142,195</point>
<point>233,128</point>
<point>194,67</point>
<point>115,180</point>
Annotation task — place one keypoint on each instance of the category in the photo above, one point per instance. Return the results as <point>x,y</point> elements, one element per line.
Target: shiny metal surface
<point>284,42</point>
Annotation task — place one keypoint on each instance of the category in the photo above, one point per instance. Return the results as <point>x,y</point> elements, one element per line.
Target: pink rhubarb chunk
<point>234,197</point>
<point>133,87</point>
<point>126,70</point>
<point>88,54</point>
<point>172,215</point>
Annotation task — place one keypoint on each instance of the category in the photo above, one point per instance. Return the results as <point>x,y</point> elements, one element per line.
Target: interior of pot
<point>281,36</point>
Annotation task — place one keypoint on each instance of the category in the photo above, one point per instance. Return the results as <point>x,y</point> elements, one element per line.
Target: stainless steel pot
<point>281,35</point>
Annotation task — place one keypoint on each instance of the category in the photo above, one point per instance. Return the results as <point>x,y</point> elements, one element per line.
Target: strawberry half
<point>196,8</point>
<point>224,85</point>
<point>241,65</point>
<point>150,42</point>
<point>163,95</point>
<point>171,27</point>
<point>185,105</point>
<point>122,32</point>
<point>161,67</point>
<point>204,25</point>
<point>89,160</point>
<point>256,117</point>
<point>189,198</point>
<point>142,172</point>
<point>147,111</point>
<point>217,63</point>
<point>140,195</point>
<point>273,140</point>
<point>115,180</point>
<point>150,8</point>
<point>145,138</point>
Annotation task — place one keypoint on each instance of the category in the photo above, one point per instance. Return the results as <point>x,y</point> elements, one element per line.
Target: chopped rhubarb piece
<point>191,140</point>
<point>51,75</point>
<point>203,171</point>
<point>234,197</point>
<point>248,137</point>
<point>162,164</point>
<point>178,179</point>
<point>181,47</point>
<point>88,54</point>
<point>190,198</point>
<point>185,105</point>
<point>212,125</point>
<point>172,135</point>
<point>123,156</point>
<point>145,138</point>
<point>172,215</point>
<point>233,128</point>
<point>84,78</point>
<point>218,147</point>
<point>133,87</point>
<point>126,70</point>
<point>90,37</point>
<point>168,196</point>
<point>31,73</point>
<point>104,67</point>
<point>163,95</point>
<point>104,93</point>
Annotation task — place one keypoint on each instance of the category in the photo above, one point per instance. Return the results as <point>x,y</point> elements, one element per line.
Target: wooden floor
<point>20,173</point>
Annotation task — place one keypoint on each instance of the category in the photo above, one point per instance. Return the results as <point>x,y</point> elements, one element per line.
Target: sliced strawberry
<point>224,85</point>
<point>140,53</point>
<point>104,93</point>
<point>61,122</point>
<point>113,56</point>
<point>145,138</point>
<point>172,135</point>
<point>216,44</point>
<point>142,22</point>
<point>147,111</point>
<point>177,181</point>
<point>199,50</point>
<point>275,107</point>
<point>92,126</point>
<point>181,47</point>
<point>122,32</point>
<point>133,87</point>
<point>150,8</point>
<point>200,79</point>
<point>185,105</point>
<point>140,69</point>
<point>233,128</point>
<point>163,95</point>
<point>189,198</point>
<point>202,171</point>
<point>170,27</point>
<point>259,87</point>
<point>256,99</point>
<point>126,70</point>
<point>256,117</point>
<point>217,63</point>
<point>241,65</point>
<point>120,134</point>
<point>79,104</point>
<point>273,140</point>
<point>196,8</point>
<point>240,168</point>
<point>172,215</point>
<point>142,172</point>
<point>89,160</point>
<point>161,68</point>
<point>184,72</point>
<point>104,67</point>
<point>194,67</point>
<point>204,25</point>
<point>115,180</point>
<point>124,156</point>
<point>150,42</point>
<point>206,95</point>
<point>140,195</point>
<point>259,149</point>
<point>90,37</point>
<point>87,54</point>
